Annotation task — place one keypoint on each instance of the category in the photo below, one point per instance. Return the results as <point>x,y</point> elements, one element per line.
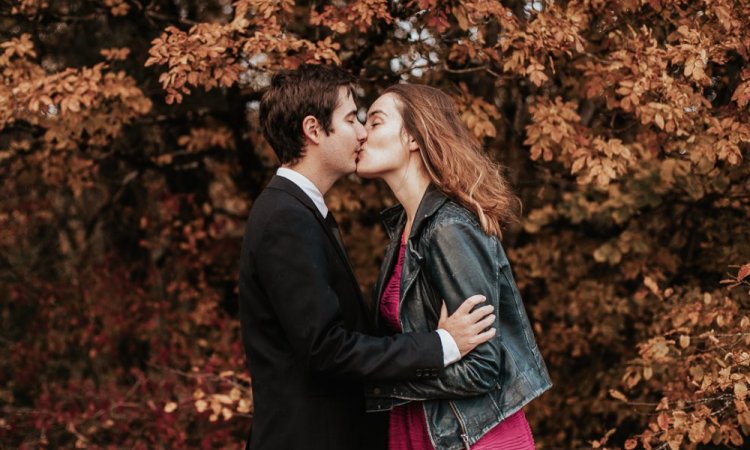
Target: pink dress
<point>407,428</point>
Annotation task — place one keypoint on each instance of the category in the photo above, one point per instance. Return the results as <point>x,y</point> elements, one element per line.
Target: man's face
<point>340,147</point>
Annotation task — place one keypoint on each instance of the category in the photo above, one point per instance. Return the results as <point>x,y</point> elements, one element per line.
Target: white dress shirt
<point>451,353</point>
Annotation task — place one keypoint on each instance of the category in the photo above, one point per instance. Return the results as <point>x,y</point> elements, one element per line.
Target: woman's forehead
<point>386,103</point>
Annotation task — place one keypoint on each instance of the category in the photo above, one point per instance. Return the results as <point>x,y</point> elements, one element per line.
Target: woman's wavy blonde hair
<point>453,157</point>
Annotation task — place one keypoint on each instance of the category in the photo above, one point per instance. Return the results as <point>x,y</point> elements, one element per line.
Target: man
<point>304,322</point>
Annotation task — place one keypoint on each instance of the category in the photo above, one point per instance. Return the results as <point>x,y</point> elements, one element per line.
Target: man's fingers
<point>470,303</point>
<point>486,336</point>
<point>443,312</point>
<point>480,312</point>
<point>484,323</point>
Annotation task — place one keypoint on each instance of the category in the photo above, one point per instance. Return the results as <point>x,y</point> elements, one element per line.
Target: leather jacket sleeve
<point>461,261</point>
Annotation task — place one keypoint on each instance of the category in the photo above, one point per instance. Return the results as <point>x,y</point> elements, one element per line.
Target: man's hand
<point>468,327</point>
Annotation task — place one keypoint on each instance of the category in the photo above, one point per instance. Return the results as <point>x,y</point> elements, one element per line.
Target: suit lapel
<point>289,187</point>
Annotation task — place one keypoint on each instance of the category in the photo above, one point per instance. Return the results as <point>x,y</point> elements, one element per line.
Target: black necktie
<point>334,227</point>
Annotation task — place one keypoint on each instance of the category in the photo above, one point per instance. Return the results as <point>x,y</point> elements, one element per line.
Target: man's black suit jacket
<point>304,328</point>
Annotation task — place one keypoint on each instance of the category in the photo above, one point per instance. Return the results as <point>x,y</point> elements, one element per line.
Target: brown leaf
<point>743,272</point>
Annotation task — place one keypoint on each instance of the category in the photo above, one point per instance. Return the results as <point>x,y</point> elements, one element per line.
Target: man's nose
<point>361,133</point>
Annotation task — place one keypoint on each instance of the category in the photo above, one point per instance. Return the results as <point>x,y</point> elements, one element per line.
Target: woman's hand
<point>469,328</point>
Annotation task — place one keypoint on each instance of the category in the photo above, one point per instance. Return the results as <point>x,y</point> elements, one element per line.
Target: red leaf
<point>663,421</point>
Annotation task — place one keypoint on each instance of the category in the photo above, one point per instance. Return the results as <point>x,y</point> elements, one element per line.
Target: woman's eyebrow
<point>377,111</point>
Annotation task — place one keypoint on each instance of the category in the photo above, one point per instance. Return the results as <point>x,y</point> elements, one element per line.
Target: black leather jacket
<point>449,257</point>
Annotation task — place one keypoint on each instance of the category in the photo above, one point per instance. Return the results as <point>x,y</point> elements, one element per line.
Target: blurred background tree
<point>130,154</point>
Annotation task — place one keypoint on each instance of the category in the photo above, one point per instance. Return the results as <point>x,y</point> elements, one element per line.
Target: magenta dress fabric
<point>407,428</point>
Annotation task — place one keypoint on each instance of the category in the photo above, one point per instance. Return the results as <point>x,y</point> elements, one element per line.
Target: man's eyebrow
<point>352,113</point>
<point>377,111</point>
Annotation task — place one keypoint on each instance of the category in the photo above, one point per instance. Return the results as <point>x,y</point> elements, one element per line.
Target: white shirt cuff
<point>451,353</point>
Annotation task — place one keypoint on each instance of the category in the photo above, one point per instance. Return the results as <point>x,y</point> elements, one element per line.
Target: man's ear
<point>311,129</point>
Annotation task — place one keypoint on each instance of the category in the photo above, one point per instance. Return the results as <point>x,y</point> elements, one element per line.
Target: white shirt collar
<point>307,186</point>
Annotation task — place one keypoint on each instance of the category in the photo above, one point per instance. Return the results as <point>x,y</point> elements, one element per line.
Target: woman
<point>445,245</point>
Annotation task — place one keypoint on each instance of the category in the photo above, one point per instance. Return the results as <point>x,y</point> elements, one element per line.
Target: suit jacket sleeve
<point>291,259</point>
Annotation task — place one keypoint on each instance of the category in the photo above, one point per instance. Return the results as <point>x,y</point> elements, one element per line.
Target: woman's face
<point>386,150</point>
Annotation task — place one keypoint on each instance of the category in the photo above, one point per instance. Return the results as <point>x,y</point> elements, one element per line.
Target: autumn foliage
<point>130,154</point>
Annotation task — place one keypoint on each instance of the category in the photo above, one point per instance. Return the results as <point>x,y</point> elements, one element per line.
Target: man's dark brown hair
<point>310,90</point>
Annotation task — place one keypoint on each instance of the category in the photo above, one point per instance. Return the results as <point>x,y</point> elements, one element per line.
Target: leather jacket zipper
<point>464,435</point>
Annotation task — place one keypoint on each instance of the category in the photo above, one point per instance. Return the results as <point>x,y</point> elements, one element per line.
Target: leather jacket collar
<point>394,218</point>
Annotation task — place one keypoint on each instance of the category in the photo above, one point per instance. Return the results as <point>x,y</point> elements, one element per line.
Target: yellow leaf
<point>170,407</point>
<point>659,120</point>
<point>578,165</point>
<point>651,285</point>
<point>695,434</point>
<point>689,66</point>
<point>740,390</point>
<point>617,395</point>
<point>223,398</point>
<point>244,406</point>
